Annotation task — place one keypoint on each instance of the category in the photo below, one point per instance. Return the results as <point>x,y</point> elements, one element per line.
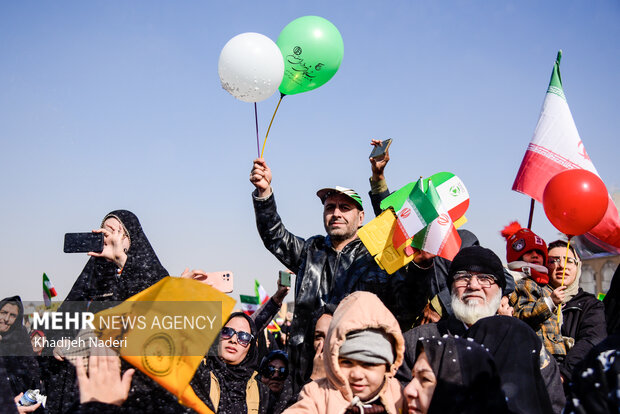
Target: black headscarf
<point>99,280</point>
<point>517,352</point>
<point>596,380</point>
<point>233,379</point>
<point>16,340</point>
<point>467,380</point>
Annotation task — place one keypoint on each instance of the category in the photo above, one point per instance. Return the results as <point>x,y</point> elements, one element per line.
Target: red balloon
<point>575,201</point>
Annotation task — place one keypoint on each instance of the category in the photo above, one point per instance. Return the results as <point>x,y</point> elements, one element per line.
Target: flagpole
<point>529,221</point>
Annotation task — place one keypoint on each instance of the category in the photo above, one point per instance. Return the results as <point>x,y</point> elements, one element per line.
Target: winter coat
<point>323,275</point>
<point>332,395</point>
<point>530,305</point>
<point>584,321</point>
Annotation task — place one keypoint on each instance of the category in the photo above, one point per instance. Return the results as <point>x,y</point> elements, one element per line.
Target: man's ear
<point>361,217</point>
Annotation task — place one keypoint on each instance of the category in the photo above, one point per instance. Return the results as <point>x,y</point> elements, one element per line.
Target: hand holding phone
<point>380,148</point>
<point>285,278</point>
<point>83,242</point>
<point>222,281</point>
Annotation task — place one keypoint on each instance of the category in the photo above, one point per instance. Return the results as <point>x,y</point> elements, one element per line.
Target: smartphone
<point>379,150</point>
<point>222,281</point>
<point>83,242</point>
<point>285,278</point>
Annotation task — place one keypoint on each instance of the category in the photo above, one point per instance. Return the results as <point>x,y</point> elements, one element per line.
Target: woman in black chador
<point>16,354</point>
<point>126,266</point>
<point>454,376</point>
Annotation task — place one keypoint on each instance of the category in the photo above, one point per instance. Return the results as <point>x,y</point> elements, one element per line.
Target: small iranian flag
<point>452,192</point>
<point>415,214</point>
<point>273,326</point>
<point>49,291</point>
<point>440,237</point>
<point>261,293</point>
<point>249,304</point>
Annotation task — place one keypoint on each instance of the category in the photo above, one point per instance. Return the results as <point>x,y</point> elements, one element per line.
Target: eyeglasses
<point>243,338</point>
<point>556,260</point>
<point>271,371</point>
<point>463,278</point>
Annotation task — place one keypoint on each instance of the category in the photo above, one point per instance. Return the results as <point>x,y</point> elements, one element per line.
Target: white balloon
<point>251,67</point>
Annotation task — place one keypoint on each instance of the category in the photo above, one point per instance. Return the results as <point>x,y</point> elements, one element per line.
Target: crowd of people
<point>468,335</point>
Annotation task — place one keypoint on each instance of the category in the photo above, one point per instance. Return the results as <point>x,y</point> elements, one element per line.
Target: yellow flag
<point>166,330</point>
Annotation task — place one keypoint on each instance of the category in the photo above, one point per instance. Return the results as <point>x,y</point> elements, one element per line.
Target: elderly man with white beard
<point>477,281</point>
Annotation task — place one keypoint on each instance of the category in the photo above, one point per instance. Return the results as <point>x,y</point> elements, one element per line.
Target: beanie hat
<point>520,241</point>
<point>371,345</point>
<point>478,259</point>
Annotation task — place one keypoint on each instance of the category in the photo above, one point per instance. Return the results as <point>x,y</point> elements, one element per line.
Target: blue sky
<point>114,104</point>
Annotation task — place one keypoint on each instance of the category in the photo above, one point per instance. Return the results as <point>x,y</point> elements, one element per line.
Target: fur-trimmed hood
<point>359,311</point>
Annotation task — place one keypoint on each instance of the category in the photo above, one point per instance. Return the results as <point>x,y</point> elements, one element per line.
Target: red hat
<point>520,241</point>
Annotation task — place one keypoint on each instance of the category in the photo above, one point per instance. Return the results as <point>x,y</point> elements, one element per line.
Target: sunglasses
<point>270,372</point>
<point>243,338</point>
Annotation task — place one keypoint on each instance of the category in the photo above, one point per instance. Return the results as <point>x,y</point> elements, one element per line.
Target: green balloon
<point>312,48</point>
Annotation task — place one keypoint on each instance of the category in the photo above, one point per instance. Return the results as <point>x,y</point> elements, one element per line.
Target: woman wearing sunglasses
<point>226,380</point>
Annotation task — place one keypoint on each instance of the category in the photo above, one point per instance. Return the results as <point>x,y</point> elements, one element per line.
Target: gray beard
<point>470,314</point>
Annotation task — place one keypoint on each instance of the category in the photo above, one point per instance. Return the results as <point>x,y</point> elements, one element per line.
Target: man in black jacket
<point>327,267</point>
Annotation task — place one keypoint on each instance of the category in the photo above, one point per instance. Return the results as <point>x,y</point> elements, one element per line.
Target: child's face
<point>365,379</point>
<point>534,257</point>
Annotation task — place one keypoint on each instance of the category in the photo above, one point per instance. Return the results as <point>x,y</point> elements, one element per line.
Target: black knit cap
<point>478,259</point>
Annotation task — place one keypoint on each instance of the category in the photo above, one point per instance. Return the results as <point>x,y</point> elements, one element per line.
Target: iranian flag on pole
<point>556,147</point>
<point>261,293</point>
<point>440,237</point>
<point>49,291</point>
<point>249,304</point>
<point>415,214</point>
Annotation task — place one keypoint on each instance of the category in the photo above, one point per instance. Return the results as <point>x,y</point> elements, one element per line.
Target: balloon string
<point>563,273</point>
<point>257,139</point>
<point>274,115</point>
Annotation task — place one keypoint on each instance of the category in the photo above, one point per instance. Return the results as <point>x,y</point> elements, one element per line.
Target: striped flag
<point>440,237</point>
<point>273,326</point>
<point>556,147</point>
<point>249,304</point>
<point>416,213</point>
<point>261,293</point>
<point>49,291</point>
